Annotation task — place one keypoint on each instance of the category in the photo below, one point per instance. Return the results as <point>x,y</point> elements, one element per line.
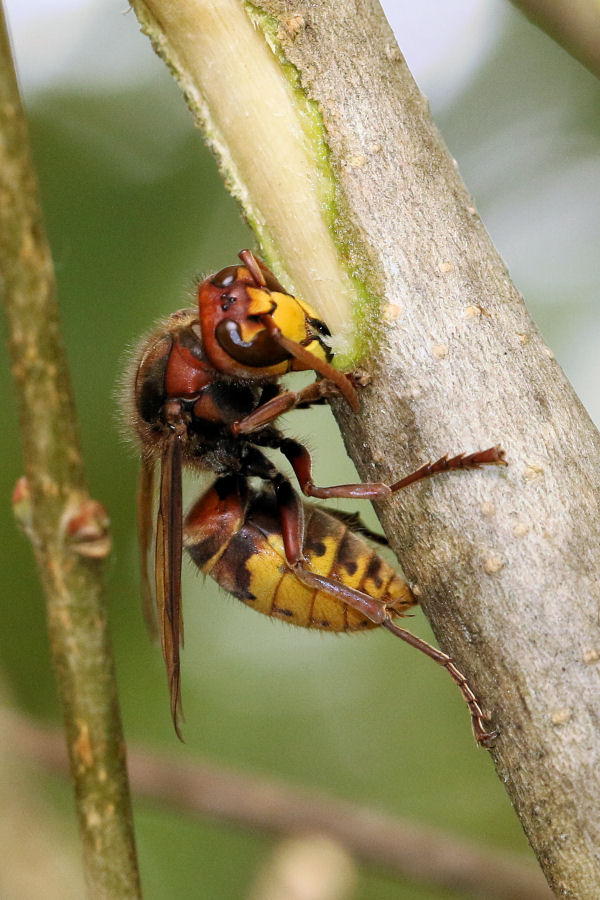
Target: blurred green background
<point>135,209</point>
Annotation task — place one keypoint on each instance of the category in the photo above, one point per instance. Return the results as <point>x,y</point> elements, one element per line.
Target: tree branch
<point>506,564</point>
<point>68,530</point>
<point>206,789</point>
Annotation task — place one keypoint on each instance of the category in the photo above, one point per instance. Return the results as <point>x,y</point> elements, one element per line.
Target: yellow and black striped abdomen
<point>254,569</point>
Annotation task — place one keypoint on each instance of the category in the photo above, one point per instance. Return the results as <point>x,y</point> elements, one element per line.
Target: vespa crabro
<point>205,395</point>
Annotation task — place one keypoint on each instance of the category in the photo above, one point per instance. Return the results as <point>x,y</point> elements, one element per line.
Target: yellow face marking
<point>317,349</point>
<point>289,316</point>
<point>249,329</point>
<point>261,301</point>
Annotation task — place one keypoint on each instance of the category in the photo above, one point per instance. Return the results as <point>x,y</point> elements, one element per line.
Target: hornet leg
<point>292,528</point>
<point>301,462</point>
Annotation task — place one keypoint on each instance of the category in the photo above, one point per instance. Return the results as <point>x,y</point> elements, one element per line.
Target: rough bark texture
<point>68,531</point>
<point>505,562</point>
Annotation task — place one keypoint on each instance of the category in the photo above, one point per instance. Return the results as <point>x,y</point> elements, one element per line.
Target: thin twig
<point>206,789</point>
<point>69,532</point>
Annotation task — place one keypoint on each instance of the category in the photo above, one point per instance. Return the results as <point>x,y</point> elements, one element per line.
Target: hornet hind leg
<point>292,527</point>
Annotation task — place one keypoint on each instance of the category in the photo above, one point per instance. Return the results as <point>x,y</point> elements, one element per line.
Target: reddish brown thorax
<point>186,375</point>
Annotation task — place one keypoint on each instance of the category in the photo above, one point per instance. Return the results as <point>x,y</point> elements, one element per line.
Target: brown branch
<point>255,803</point>
<point>68,530</point>
<point>506,564</point>
<point>575,25</point>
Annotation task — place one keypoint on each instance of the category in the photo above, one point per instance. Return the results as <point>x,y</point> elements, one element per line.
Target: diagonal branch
<point>404,849</point>
<point>67,529</point>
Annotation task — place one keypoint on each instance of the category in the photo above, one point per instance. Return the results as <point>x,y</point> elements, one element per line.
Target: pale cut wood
<point>506,563</point>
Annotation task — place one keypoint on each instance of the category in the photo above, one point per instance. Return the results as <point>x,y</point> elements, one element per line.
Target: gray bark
<point>506,562</point>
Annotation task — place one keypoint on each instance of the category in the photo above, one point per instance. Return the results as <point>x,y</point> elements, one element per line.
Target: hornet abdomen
<point>245,555</point>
